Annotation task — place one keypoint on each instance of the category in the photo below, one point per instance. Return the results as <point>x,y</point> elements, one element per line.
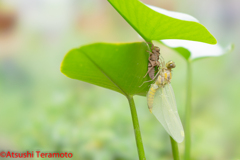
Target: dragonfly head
<point>170,65</point>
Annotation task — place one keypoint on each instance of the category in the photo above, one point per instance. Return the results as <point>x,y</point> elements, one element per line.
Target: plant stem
<point>174,149</point>
<point>136,127</point>
<point>188,113</point>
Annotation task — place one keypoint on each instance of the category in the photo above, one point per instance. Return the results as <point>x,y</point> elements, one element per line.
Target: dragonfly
<point>161,102</point>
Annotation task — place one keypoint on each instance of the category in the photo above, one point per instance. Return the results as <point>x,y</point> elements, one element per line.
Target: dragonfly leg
<point>151,79</point>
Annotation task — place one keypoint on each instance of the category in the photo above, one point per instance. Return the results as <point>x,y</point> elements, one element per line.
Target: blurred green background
<point>41,109</point>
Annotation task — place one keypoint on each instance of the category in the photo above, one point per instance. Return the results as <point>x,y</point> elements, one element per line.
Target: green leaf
<point>161,24</point>
<point>183,51</point>
<point>119,67</point>
<point>191,50</point>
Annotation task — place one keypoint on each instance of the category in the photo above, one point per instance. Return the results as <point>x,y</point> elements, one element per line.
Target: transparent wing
<point>165,110</point>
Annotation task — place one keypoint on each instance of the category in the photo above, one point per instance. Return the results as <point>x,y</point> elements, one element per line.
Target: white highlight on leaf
<point>196,49</point>
<point>177,15</point>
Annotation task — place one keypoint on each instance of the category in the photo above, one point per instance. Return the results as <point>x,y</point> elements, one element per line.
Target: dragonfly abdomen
<point>150,96</point>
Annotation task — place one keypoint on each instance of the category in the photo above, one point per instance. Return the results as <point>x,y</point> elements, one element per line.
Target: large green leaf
<point>119,67</point>
<point>153,25</point>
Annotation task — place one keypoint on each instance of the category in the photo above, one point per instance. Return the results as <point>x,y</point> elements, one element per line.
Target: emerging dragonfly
<point>161,102</point>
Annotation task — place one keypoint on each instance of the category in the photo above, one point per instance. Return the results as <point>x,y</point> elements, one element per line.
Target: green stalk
<point>188,113</point>
<point>174,149</point>
<point>136,127</point>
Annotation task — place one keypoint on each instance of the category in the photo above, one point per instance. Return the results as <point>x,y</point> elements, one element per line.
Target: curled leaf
<point>195,50</point>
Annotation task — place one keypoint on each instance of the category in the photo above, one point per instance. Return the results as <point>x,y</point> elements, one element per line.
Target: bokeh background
<point>41,109</point>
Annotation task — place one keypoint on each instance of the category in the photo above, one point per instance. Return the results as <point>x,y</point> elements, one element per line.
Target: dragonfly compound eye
<point>170,65</point>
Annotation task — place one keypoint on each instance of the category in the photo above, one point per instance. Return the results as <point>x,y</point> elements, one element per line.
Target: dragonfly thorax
<point>164,77</point>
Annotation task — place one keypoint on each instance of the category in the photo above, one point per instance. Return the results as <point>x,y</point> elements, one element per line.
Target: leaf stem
<point>149,44</point>
<point>174,149</point>
<point>136,127</point>
<point>188,113</point>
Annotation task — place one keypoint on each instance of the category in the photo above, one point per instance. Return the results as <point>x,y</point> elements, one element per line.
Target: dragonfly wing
<point>165,110</point>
